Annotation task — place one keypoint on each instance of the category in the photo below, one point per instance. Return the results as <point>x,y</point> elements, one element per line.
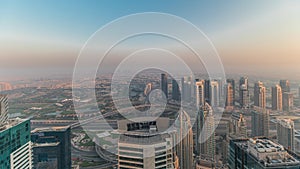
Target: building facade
<point>277,98</point>
<point>260,95</point>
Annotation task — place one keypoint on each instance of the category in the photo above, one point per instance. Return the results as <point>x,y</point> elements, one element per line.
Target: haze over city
<point>41,39</point>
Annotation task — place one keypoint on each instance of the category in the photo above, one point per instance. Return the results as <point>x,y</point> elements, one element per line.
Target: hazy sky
<point>44,37</point>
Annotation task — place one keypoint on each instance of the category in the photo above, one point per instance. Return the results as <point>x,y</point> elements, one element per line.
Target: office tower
<point>187,88</point>
<point>244,92</point>
<point>276,98</point>
<point>143,145</point>
<point>175,90</point>
<point>260,153</point>
<point>286,133</point>
<point>184,148</point>
<point>259,95</point>
<point>232,82</point>
<point>200,94</point>
<point>287,101</point>
<point>205,137</point>
<point>164,84</point>
<point>214,94</point>
<point>15,145</point>
<point>207,91</point>
<point>51,147</point>
<point>239,126</point>
<point>260,122</point>
<point>229,95</point>
<point>285,85</point>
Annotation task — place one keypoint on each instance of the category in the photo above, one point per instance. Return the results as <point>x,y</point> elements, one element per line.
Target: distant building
<point>187,84</point>
<point>175,90</point>
<point>15,145</point>
<point>286,133</point>
<point>214,94</point>
<point>239,126</point>
<point>285,86</point>
<point>200,98</point>
<point>260,153</point>
<point>164,84</point>
<point>277,98</point>
<point>287,101</point>
<point>229,93</point>
<point>260,122</point>
<point>232,82</point>
<point>244,92</point>
<point>51,147</point>
<point>260,95</point>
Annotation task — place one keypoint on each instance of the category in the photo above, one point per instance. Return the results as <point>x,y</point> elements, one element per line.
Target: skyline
<point>44,38</point>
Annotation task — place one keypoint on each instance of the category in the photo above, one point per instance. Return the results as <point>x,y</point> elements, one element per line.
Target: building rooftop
<point>11,122</point>
<point>48,129</point>
<point>45,144</point>
<point>267,152</point>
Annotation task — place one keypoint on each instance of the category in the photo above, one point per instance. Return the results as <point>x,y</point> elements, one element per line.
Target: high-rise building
<point>15,145</point>
<point>285,86</point>
<point>51,147</point>
<point>260,153</point>
<point>175,90</point>
<point>214,94</point>
<point>187,88</point>
<point>207,91</point>
<point>259,95</point>
<point>260,121</point>
<point>229,95</point>
<point>205,137</point>
<point>200,94</point>
<point>239,126</point>
<point>276,98</point>
<point>143,145</point>
<point>184,148</point>
<point>232,82</point>
<point>287,101</point>
<point>286,133</point>
<point>164,84</point>
<point>244,92</point>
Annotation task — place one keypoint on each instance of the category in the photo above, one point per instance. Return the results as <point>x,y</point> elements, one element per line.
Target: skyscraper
<point>52,147</point>
<point>175,90</point>
<point>187,88</point>
<point>15,145</point>
<point>239,126</point>
<point>244,92</point>
<point>276,98</point>
<point>259,95</point>
<point>232,82</point>
<point>260,122</point>
<point>214,94</point>
<point>200,94</point>
<point>229,95</point>
<point>286,133</point>
<point>184,148</point>
<point>207,91</point>
<point>164,84</point>
<point>143,145</point>
<point>205,137</point>
<point>287,101</point>
<point>285,85</point>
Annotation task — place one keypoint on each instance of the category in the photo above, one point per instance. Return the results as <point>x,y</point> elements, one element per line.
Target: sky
<point>40,38</point>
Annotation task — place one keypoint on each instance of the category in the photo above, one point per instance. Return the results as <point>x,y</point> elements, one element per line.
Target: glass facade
<point>12,137</point>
